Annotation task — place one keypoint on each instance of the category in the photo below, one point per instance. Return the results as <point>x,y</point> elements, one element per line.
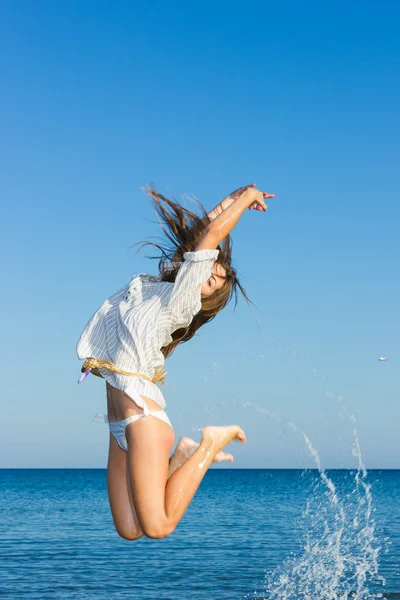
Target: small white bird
<point>383,358</point>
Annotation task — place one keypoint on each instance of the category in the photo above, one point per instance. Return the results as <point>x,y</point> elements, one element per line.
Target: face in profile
<point>215,281</point>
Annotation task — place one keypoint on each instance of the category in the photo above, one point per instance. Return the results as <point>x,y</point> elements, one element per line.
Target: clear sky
<point>102,97</point>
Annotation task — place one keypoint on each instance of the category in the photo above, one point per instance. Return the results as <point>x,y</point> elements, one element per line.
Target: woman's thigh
<point>150,442</point>
<point>120,493</point>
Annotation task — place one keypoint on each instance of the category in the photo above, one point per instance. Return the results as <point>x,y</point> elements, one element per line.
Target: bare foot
<point>220,437</point>
<point>188,447</point>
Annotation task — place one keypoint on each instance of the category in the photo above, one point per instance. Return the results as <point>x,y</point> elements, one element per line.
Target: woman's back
<point>131,327</point>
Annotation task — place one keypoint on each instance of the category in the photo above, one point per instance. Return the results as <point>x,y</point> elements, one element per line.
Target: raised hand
<point>257,204</point>
<point>223,218</point>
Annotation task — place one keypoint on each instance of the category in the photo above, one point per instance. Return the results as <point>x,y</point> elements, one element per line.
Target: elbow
<point>213,231</point>
<point>210,239</point>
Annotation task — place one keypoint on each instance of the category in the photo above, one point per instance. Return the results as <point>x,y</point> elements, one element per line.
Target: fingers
<point>262,205</point>
<point>258,197</point>
<point>256,206</point>
<point>264,194</point>
<point>242,189</point>
<point>235,195</point>
<point>259,204</point>
<point>259,201</point>
<point>253,185</point>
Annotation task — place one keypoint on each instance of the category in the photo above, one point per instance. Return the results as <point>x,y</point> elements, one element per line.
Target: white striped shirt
<point>132,326</point>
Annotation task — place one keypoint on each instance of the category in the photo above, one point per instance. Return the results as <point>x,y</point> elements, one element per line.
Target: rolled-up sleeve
<point>185,300</point>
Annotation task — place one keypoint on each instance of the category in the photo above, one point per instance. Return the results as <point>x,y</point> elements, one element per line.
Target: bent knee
<point>131,536</point>
<point>158,530</point>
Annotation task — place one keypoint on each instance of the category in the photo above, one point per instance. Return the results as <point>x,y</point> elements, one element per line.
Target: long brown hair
<point>183,230</point>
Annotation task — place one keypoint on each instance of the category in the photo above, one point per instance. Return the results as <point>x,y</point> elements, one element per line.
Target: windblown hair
<point>183,230</point>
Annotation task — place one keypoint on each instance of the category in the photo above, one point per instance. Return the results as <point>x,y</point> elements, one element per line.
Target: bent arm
<point>221,226</point>
<point>223,205</point>
<point>199,229</point>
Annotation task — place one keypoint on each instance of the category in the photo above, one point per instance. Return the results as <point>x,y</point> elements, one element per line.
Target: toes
<point>186,442</point>
<point>241,436</point>
<point>221,456</point>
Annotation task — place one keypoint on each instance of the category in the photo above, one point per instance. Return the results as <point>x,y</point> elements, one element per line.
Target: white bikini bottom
<point>117,428</point>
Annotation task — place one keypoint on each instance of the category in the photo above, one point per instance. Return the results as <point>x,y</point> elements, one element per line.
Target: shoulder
<point>201,255</point>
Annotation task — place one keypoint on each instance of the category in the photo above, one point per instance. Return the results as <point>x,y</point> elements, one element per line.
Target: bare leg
<point>120,494</point>
<point>185,449</point>
<point>161,502</point>
<point>123,511</point>
<point>119,487</point>
<point>144,499</point>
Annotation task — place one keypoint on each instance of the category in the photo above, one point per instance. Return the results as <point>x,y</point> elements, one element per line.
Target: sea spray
<point>369,550</point>
<point>340,550</point>
<point>339,558</point>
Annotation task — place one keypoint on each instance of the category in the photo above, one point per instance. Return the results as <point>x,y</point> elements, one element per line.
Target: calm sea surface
<point>57,539</point>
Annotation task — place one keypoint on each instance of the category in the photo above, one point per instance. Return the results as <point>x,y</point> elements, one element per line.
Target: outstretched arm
<point>221,206</point>
<point>222,223</point>
<point>224,204</point>
<point>199,229</point>
<point>227,202</point>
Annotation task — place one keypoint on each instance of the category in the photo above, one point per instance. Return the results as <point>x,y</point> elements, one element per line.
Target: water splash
<point>367,567</point>
<point>339,558</point>
<point>340,548</point>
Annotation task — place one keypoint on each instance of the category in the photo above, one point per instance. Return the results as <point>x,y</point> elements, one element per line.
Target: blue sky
<point>101,98</point>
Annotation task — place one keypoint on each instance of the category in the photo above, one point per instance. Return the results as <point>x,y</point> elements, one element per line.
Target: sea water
<point>340,548</point>
<point>311,534</point>
<point>247,534</point>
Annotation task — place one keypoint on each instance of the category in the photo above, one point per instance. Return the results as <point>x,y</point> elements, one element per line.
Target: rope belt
<point>92,365</point>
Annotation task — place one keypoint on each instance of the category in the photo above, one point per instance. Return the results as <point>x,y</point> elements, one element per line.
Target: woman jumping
<point>126,343</point>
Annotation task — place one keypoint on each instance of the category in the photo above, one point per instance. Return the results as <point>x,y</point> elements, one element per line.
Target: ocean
<point>248,534</point>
